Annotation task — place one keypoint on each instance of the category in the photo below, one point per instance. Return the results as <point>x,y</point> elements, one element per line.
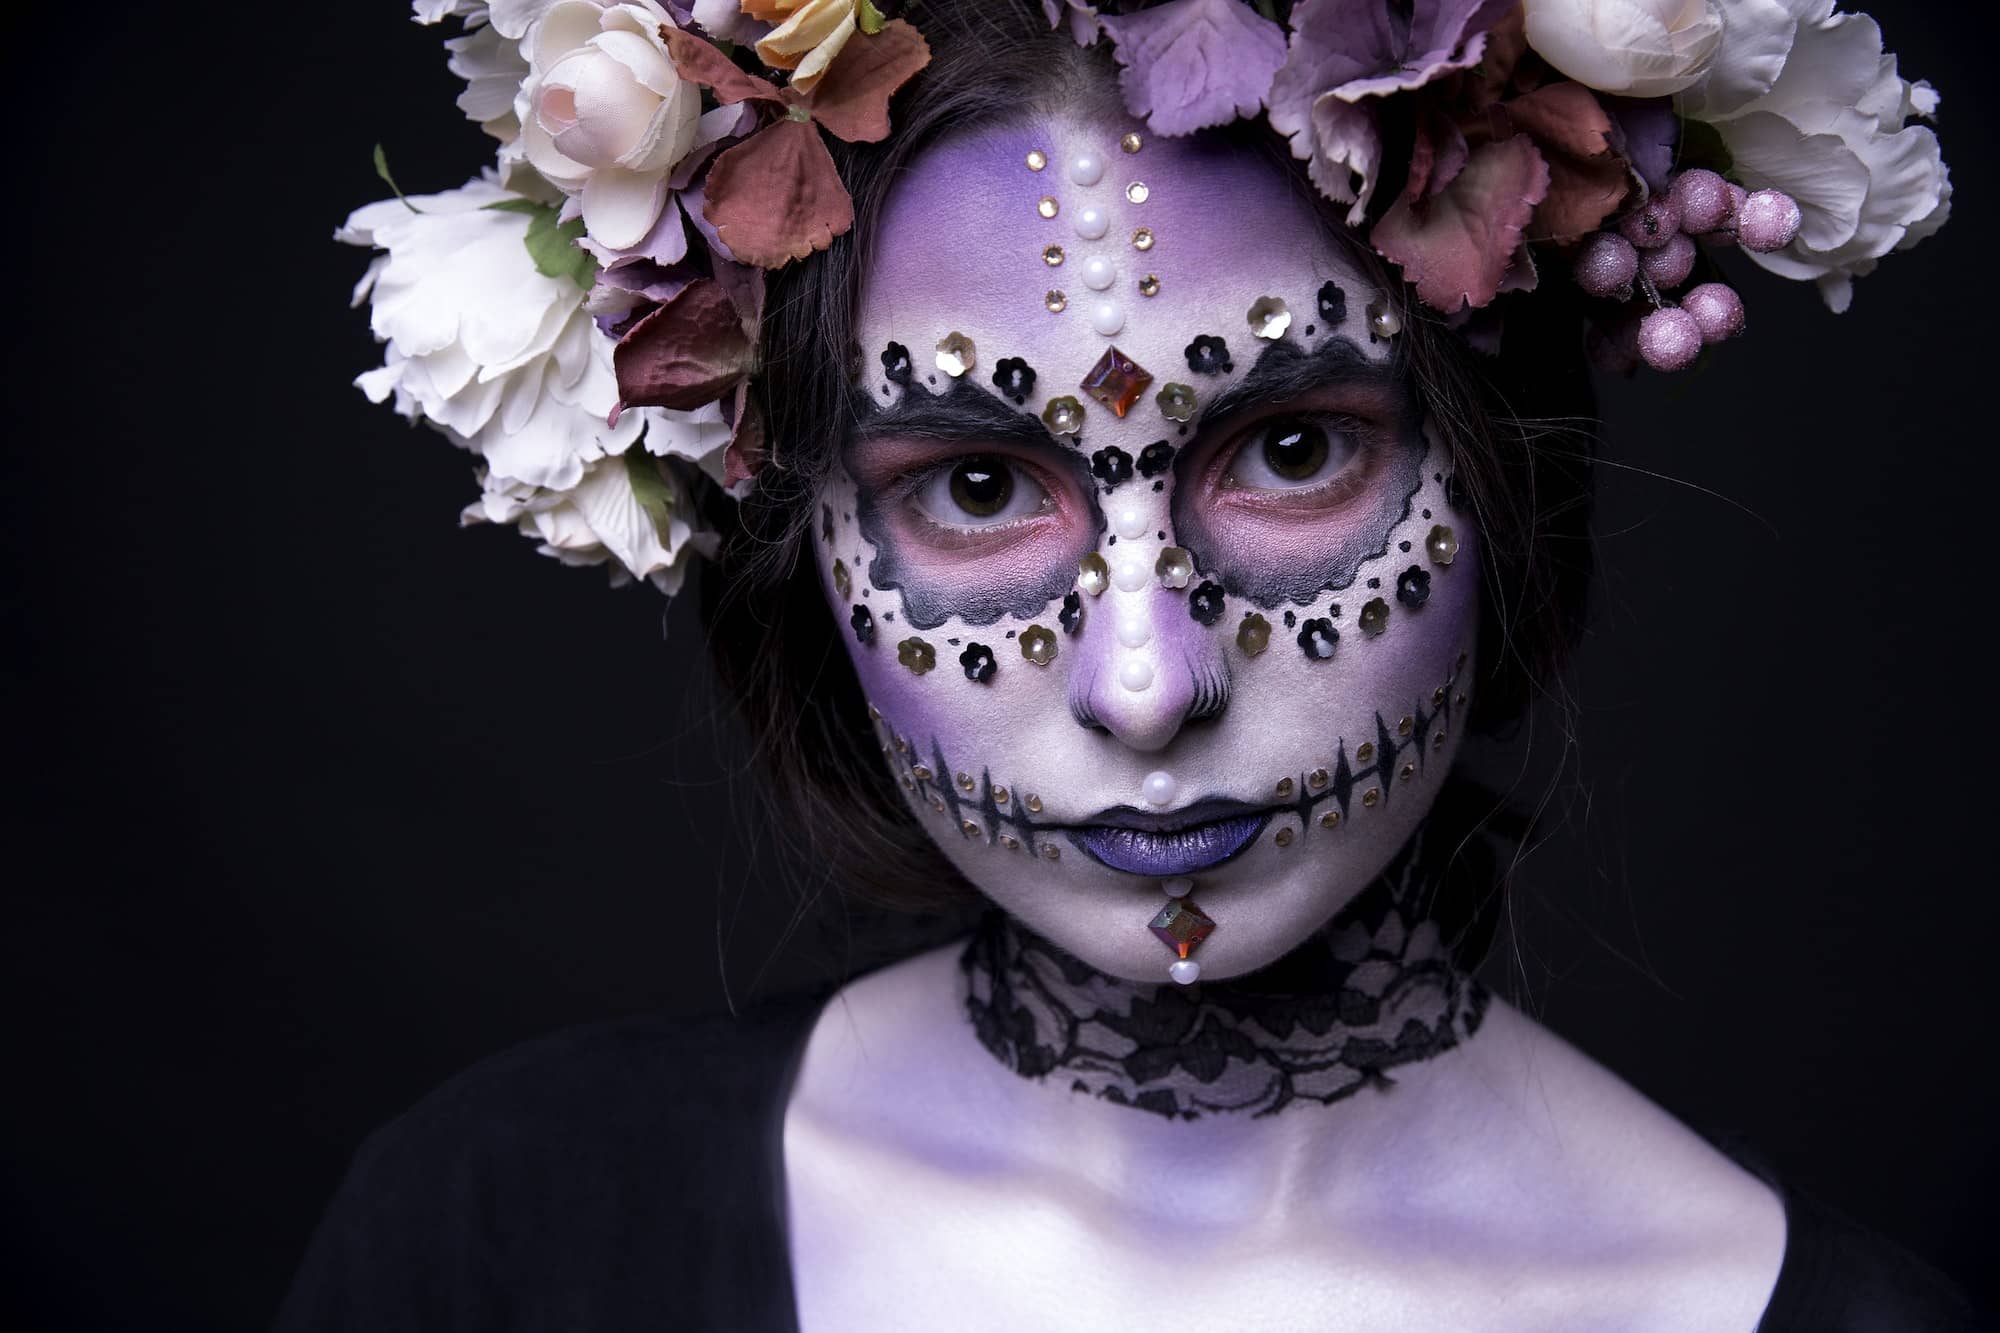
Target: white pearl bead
<point>1086,168</point>
<point>1130,523</point>
<point>1092,223</point>
<point>1136,674</point>
<point>1107,318</point>
<point>1184,970</point>
<point>1099,273</point>
<point>1159,788</point>
<point>1134,632</point>
<point>1180,886</point>
<point>1131,576</point>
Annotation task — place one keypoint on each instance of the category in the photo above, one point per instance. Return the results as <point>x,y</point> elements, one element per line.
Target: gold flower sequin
<point>1441,545</point>
<point>1063,415</point>
<point>1038,645</point>
<point>956,354</point>
<point>1253,636</point>
<point>1176,401</point>
<point>919,657</point>
<point>1270,317</point>
<point>1093,575</point>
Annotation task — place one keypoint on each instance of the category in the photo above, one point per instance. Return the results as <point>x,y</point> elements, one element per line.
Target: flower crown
<point>584,315</point>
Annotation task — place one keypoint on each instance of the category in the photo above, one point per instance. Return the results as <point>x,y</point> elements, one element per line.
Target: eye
<point>981,491</point>
<point>1292,453</point>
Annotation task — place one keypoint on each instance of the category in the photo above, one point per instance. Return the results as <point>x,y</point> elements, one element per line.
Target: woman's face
<point>1220,630</point>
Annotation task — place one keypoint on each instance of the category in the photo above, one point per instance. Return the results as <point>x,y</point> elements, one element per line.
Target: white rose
<point>1635,48</point>
<point>1808,103</point>
<point>604,114</point>
<point>604,519</point>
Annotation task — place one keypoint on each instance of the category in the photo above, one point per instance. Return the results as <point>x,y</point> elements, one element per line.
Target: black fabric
<point>628,1176</point>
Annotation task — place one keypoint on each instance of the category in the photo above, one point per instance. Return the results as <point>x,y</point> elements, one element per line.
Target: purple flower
<point>1191,64</point>
<point>1080,15</point>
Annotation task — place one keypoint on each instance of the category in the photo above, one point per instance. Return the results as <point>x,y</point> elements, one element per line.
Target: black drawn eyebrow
<point>962,413</point>
<point>1285,371</point>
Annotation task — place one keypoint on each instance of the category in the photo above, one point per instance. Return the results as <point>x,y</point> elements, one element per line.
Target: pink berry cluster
<point>1653,248</point>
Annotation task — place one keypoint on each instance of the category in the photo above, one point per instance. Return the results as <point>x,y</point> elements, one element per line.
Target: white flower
<point>604,114</point>
<point>605,517</point>
<point>1807,102</point>
<point>1636,48</point>
<point>481,344</point>
<point>493,69</point>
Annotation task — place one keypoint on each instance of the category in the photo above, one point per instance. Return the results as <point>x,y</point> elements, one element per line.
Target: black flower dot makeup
<point>1082,546</point>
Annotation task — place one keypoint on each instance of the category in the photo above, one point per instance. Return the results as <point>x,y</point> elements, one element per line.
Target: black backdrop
<point>321,798</point>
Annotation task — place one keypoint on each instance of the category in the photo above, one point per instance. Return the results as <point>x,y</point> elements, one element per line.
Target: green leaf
<point>552,245</point>
<point>651,490</point>
<point>870,18</point>
<point>528,206</point>
<point>1702,146</point>
<point>382,170</point>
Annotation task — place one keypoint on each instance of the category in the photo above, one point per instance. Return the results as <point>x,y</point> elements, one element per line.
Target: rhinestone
<point>1142,239</point>
<point>1037,159</point>
<point>1374,617</point>
<point>937,805</point>
<point>1284,788</point>
<point>1441,545</point>
<point>1034,804</point>
<point>1407,771</point>
<point>1047,207</point>
<point>1253,636</point>
<point>972,830</point>
<point>1038,645</point>
<point>1063,416</point>
<point>1331,819</point>
<point>1010,842</point>
<point>903,744</point>
<point>1137,192</point>
<point>917,655</point>
<point>1372,797</point>
<point>1093,575</point>
<point>1437,741</point>
<point>909,785</point>
<point>955,354</point>
<point>1131,143</point>
<point>1000,796</point>
<point>1175,567</point>
<point>1459,699</point>
<point>1270,317</point>
<point>965,782</point>
<point>1283,837</point>
<point>1181,925</point>
<point>1317,779</point>
<point>1052,255</point>
<point>843,583</point>
<point>1055,302</point>
<point>1463,657</point>
<point>1437,697</point>
<point>1116,381</point>
<point>1051,852</point>
<point>1406,726</point>
<point>920,773</point>
<point>1382,321</point>
<point>1176,401</point>
<point>874,713</point>
<point>1364,753</point>
<point>1149,285</point>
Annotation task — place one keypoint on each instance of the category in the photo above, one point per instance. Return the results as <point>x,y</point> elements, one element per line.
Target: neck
<point>1373,989</point>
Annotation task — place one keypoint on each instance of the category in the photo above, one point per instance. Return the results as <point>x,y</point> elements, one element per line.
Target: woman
<point>1177,536</point>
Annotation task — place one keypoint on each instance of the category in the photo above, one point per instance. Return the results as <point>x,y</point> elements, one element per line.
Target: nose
<point>1146,667</point>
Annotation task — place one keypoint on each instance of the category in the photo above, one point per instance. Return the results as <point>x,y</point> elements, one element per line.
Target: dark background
<point>321,798</point>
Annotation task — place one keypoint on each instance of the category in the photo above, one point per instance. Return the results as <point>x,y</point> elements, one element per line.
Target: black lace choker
<point>1371,990</point>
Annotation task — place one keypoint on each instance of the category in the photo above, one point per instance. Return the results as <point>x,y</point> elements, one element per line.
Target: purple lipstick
<point>1199,837</point>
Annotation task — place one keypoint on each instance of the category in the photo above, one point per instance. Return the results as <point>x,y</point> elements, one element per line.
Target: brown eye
<point>982,486</point>
<point>1294,450</point>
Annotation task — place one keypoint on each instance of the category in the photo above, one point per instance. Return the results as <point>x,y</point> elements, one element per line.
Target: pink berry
<point>1669,339</point>
<point>1649,225</point>
<point>1716,309</point>
<point>1668,267</point>
<point>1605,265</point>
<point>1702,199</point>
<point>1768,220</point>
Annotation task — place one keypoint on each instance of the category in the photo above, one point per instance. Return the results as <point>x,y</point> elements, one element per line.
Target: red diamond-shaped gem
<point>1116,381</point>
<point>1181,925</point>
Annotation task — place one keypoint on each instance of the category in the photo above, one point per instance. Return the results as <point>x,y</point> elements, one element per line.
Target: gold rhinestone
<point>1051,851</point>
<point>1149,285</point>
<point>909,785</point>
<point>1317,779</point>
<point>1406,726</point>
<point>874,713</point>
<point>1284,787</point>
<point>1331,819</point>
<point>1372,797</point>
<point>1047,207</point>
<point>937,805</point>
<point>1437,697</point>
<point>1037,159</point>
<point>903,743</point>
<point>1460,699</point>
<point>1010,842</point>
<point>1055,302</point>
<point>1142,239</point>
<point>1284,836</point>
<point>1407,771</point>
<point>1052,256</point>
<point>1137,192</point>
<point>1131,143</point>
<point>999,796</point>
<point>965,782</point>
<point>920,773</point>
<point>972,830</point>
<point>1364,753</point>
<point>1034,804</point>
<point>1437,741</point>
<point>887,751</point>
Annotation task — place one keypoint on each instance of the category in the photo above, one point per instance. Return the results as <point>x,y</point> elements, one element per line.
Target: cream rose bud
<point>604,113</point>
<point>1636,48</point>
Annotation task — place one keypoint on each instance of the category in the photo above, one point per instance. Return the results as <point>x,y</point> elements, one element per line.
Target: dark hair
<point>1517,426</point>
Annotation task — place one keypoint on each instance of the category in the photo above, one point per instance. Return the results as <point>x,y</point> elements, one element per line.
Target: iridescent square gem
<point>1181,925</point>
<point>1116,381</point>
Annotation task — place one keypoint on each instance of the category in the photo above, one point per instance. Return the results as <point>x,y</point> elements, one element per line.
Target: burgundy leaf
<point>1458,246</point>
<point>707,66</point>
<point>852,98</point>
<point>686,353</point>
<point>776,196</point>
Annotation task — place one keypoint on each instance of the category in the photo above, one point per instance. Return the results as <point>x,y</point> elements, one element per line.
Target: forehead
<point>965,247</point>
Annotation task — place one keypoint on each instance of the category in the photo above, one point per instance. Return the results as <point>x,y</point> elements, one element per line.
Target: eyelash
<point>1350,479</point>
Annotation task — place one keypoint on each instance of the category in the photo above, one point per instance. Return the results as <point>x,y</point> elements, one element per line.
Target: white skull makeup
<point>1143,552</point>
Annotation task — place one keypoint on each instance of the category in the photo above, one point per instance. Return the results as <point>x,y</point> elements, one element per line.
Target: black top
<point>629,1175</point>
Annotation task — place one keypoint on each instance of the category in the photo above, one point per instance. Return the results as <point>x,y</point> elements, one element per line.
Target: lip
<point>1184,848</point>
<point>1208,810</point>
